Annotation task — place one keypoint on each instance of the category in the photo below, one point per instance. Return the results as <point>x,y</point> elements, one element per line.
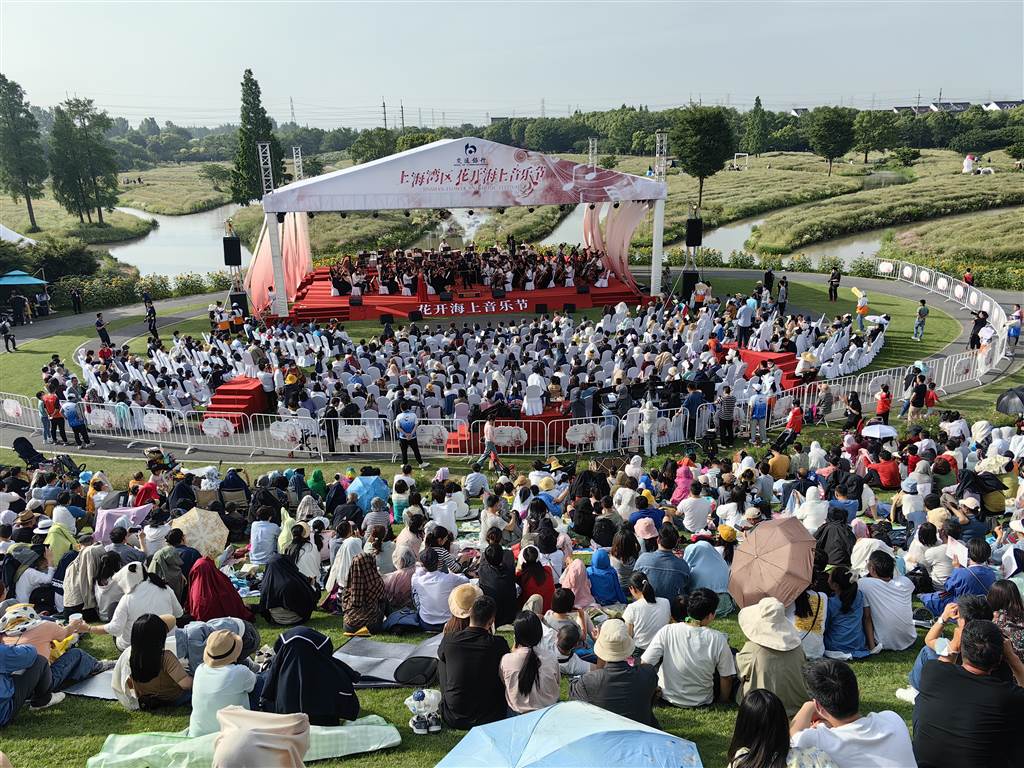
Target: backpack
<point>760,408</point>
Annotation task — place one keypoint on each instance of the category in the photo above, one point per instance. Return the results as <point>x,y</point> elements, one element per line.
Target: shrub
<point>862,266</point>
<point>906,155</point>
<point>608,161</point>
<point>189,285</point>
<point>828,263</point>
<point>218,281</point>
<point>159,286</point>
<point>800,263</point>
<point>710,257</point>
<point>770,261</point>
<point>741,260</point>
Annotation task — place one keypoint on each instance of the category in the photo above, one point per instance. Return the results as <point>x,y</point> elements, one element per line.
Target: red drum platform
<point>241,395</point>
<point>315,302</point>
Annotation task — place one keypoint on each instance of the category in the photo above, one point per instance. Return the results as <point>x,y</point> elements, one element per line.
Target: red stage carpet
<point>315,302</point>
<point>786,361</point>
<point>241,395</point>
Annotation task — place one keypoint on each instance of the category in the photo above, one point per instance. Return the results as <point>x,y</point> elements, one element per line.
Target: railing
<point>309,437</point>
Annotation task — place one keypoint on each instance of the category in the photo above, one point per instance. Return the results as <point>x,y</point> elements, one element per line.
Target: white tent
<point>10,236</point>
<point>462,173</point>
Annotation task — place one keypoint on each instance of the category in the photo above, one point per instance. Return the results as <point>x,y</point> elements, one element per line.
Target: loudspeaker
<point>445,296</point>
<point>242,300</point>
<point>415,316</point>
<point>385,319</point>
<point>541,309</point>
<point>570,308</point>
<point>694,232</point>
<point>232,252</point>
<point>355,301</point>
<point>582,289</point>
<point>498,293</point>
<point>689,282</point>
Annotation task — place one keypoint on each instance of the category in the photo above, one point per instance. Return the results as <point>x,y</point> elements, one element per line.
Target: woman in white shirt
<point>647,614</point>
<point>154,535</point>
<point>813,510</point>
<point>305,553</point>
<point>143,593</point>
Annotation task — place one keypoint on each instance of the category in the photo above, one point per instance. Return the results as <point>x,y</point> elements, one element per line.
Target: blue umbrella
<point>18,277</point>
<point>570,733</point>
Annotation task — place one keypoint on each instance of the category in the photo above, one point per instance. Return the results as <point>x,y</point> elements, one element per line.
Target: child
<point>562,614</point>
<point>569,640</point>
<point>400,498</point>
<point>931,398</point>
<point>883,403</point>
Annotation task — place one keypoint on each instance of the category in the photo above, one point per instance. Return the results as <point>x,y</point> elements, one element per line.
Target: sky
<point>456,62</point>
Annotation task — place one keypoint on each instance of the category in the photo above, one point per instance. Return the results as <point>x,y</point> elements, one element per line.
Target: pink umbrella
<point>776,559</point>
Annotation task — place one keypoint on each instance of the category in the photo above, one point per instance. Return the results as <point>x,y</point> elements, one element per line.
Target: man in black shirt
<point>468,669</point>
<point>964,715</point>
<point>917,398</point>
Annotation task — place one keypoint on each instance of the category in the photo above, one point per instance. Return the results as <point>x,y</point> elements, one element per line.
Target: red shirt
<point>931,398</point>
<point>52,405</point>
<point>912,460</point>
<point>795,421</point>
<point>884,403</point>
<point>105,354</point>
<point>530,587</point>
<point>888,473</point>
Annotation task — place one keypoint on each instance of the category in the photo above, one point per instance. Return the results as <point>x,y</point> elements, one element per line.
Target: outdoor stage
<point>313,301</point>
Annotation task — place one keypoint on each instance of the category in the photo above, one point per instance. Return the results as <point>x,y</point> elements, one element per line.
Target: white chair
<point>533,405</point>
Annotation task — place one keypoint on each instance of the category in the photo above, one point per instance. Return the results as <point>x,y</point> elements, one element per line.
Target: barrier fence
<point>308,437</point>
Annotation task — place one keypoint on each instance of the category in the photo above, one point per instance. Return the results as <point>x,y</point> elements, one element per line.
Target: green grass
<point>55,221</point>
<point>172,189</point>
<point>993,246</point>
<point>941,328</point>
<point>930,197</point>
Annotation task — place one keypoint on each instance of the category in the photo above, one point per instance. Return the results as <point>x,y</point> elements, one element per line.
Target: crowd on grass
<point>613,576</point>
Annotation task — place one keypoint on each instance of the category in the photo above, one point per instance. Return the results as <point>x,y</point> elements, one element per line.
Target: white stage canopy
<point>460,173</point>
<point>10,236</point>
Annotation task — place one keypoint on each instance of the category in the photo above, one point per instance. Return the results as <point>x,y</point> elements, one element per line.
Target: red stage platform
<point>315,302</point>
<point>786,361</point>
<point>241,395</point>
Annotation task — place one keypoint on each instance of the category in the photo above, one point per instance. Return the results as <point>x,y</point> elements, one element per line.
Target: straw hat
<point>645,529</point>
<point>222,648</point>
<point>34,504</point>
<point>555,463</point>
<point>26,518</point>
<point>614,642</point>
<point>522,481</point>
<point>461,599</point>
<point>546,483</point>
<point>938,516</point>
<point>765,623</point>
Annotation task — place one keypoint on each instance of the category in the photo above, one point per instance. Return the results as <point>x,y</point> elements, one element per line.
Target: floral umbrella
<point>203,530</point>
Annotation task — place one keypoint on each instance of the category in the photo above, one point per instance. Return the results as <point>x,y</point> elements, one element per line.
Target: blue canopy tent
<point>17,277</point>
<point>570,733</point>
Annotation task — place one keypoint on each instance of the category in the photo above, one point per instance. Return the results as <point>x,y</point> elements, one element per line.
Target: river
<point>190,243</point>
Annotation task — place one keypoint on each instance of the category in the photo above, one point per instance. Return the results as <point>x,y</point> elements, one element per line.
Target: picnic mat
<point>391,665</point>
<point>96,687</point>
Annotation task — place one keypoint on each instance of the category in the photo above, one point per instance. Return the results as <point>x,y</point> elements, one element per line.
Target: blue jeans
<point>860,322</point>
<point>926,654</point>
<point>44,422</point>
<point>918,329</point>
<point>73,666</point>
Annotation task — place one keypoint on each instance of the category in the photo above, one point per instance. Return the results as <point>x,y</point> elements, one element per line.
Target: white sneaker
<point>908,694</point>
<point>424,465</point>
<point>55,698</point>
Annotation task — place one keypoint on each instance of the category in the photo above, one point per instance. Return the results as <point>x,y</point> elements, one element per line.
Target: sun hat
<point>645,529</point>
<point>26,518</point>
<point>305,528</point>
<point>727,533</point>
<point>614,642</point>
<point>555,463</point>
<point>765,623</point>
<point>34,504</point>
<point>461,599</point>
<point>546,483</point>
<point>222,648</point>
<point>970,503</point>
<point>18,619</point>
<point>909,486</point>
<point>938,516</point>
<point>43,526</point>
<point>522,481</point>
<point>752,513</point>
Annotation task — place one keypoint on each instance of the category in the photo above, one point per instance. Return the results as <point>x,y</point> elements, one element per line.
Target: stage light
<point>406,214</point>
<point>374,214</point>
<point>615,204</point>
<point>501,211</point>
<point>309,215</point>
<point>280,218</point>
<point>470,211</point>
<point>591,206</point>
<point>344,215</point>
<point>529,210</point>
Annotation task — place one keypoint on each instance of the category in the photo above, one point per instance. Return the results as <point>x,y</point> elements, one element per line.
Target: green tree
<point>411,140</point>
<point>255,127</point>
<point>22,159</point>
<point>755,137</point>
<point>830,132</point>
<point>874,130</point>
<point>83,162</point>
<point>1016,151</point>
<point>149,127</point>
<point>372,145</point>
<point>312,166</point>
<point>215,174</point>
<point>608,161</point>
<point>702,140</point>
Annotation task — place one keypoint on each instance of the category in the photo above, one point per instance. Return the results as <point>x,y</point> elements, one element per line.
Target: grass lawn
<point>941,329</point>
<point>173,189</point>
<point>54,220</point>
<point>525,226</point>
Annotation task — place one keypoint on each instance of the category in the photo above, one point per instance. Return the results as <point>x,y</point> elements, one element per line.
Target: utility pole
<point>384,106</point>
<point>442,119</point>
<point>291,104</point>
<point>433,122</point>
<point>939,102</point>
<point>401,111</point>
<point>542,106</point>
<point>419,116</point>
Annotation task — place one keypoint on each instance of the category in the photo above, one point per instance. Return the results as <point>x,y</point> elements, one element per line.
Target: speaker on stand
<point>689,276</point>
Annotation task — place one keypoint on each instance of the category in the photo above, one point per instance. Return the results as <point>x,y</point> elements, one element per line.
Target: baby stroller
<point>26,452</point>
<point>65,465</point>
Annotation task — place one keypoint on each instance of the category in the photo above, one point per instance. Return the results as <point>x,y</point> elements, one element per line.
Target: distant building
<point>498,120</point>
<point>1002,106</point>
<point>798,111</point>
<point>912,110</point>
<point>953,107</point>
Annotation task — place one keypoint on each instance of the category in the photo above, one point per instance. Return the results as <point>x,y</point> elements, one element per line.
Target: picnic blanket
<point>177,750</point>
<point>95,687</point>
<point>391,665</point>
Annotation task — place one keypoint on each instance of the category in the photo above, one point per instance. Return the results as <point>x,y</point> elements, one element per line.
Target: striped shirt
<point>726,406</point>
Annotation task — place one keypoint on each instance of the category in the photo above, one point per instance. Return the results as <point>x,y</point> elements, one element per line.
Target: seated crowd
<point>615,581</point>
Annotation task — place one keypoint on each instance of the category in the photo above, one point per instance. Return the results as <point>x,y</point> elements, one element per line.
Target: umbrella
<point>776,559</point>
<point>203,530</point>
<point>1011,402</point>
<point>880,431</point>
<point>570,733</point>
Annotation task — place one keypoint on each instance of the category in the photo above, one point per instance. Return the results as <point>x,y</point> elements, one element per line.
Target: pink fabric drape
<point>619,227</point>
<point>298,261</point>
<point>592,236</point>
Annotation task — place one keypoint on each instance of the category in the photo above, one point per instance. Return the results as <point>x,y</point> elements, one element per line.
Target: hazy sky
<point>183,61</point>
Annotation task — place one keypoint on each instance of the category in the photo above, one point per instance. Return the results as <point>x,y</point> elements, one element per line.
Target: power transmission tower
<point>401,111</point>
<point>542,107</point>
<point>384,106</point>
<point>291,104</point>
<point>442,120</point>
<point>297,163</point>
<point>419,116</point>
<point>433,122</point>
